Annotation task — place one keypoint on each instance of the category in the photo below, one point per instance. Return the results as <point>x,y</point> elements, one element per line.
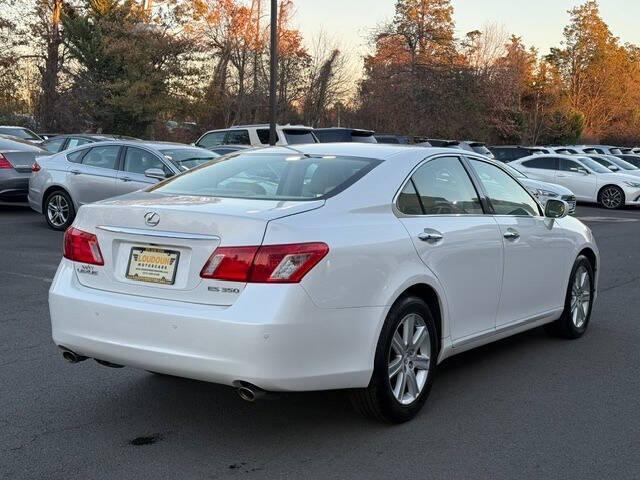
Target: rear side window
<point>328,136</point>
<point>271,177</point>
<point>297,136</point>
<point>442,187</point>
<point>212,139</point>
<point>546,163</point>
<point>76,156</point>
<point>102,157</point>
<point>263,135</point>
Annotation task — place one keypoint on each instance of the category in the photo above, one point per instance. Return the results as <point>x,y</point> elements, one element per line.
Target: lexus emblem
<point>152,219</point>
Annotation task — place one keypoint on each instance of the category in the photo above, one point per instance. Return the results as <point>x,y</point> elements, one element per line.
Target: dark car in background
<point>16,160</point>
<point>632,159</point>
<point>393,138</point>
<point>339,134</point>
<point>508,153</point>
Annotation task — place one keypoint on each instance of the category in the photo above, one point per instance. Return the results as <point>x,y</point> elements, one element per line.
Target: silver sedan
<point>62,183</point>
<point>16,159</point>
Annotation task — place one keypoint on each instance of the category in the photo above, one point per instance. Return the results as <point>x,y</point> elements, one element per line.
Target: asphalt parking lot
<point>529,406</point>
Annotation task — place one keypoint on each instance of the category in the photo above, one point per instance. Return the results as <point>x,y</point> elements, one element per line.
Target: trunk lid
<point>185,230</point>
<point>21,161</point>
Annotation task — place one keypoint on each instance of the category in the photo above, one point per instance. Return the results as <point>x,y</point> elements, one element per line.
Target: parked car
<point>544,191</point>
<point>630,158</point>
<point>393,138</point>
<point>62,183</point>
<point>64,142</point>
<point>277,271</point>
<point>22,133</point>
<point>477,147</point>
<point>439,142</point>
<point>601,149</point>
<point>586,178</point>
<point>508,153</point>
<point>339,134</point>
<point>16,158</point>
<point>256,135</point>
<point>616,164</point>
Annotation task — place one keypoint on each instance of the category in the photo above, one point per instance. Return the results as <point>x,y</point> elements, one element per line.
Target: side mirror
<point>156,173</point>
<point>614,168</point>
<point>556,208</point>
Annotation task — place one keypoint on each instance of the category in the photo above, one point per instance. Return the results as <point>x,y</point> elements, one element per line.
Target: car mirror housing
<point>156,173</point>
<point>556,208</point>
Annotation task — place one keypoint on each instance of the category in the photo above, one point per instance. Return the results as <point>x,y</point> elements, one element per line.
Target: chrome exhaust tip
<point>246,394</point>
<point>72,357</point>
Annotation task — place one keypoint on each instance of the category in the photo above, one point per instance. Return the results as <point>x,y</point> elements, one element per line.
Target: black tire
<point>378,400</point>
<point>566,326</point>
<point>611,197</point>
<point>58,198</point>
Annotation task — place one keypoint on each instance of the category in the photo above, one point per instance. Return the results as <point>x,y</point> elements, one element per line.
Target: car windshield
<point>271,177</point>
<point>20,133</point>
<point>593,165</point>
<point>188,158</point>
<point>297,136</point>
<point>621,163</point>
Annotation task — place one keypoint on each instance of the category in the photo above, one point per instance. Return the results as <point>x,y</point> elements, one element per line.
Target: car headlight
<point>632,184</point>
<point>541,192</point>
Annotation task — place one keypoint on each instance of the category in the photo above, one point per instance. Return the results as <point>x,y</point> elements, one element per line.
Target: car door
<point>456,240</point>
<point>536,250</point>
<point>94,178</point>
<point>135,162</point>
<point>578,179</point>
<point>542,168</point>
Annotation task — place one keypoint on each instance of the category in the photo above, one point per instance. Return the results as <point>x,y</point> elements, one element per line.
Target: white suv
<point>256,136</point>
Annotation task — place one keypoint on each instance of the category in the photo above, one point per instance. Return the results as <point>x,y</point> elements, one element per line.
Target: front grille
<point>571,200</point>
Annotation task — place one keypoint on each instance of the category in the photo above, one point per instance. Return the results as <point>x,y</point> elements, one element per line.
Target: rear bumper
<point>273,336</point>
<point>14,186</point>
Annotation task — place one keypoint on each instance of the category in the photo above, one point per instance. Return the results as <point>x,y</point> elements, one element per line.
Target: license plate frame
<point>155,276</point>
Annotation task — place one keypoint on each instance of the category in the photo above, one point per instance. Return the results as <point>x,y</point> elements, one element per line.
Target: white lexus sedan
<point>327,266</point>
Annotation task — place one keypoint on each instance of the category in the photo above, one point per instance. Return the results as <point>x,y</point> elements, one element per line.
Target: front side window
<point>593,165</point>
<point>271,177</point>
<point>567,165</point>
<point>506,195</point>
<point>102,157</point>
<point>54,145</point>
<point>212,139</point>
<point>441,187</point>
<point>139,161</point>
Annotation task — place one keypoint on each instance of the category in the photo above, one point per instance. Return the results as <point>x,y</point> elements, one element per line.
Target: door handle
<point>75,172</point>
<point>126,179</point>
<point>511,234</point>
<point>430,236</point>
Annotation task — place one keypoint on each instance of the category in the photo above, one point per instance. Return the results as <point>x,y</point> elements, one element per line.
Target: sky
<point>538,22</point>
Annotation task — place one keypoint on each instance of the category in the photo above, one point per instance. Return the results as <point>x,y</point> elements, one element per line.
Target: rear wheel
<point>611,197</point>
<point>404,364</point>
<point>58,210</point>
<point>578,302</point>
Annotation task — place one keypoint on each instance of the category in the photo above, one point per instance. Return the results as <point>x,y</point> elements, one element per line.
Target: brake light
<point>4,163</point>
<point>35,167</point>
<point>82,247</point>
<point>266,264</point>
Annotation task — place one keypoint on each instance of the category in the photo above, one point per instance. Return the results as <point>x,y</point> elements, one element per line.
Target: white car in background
<point>331,266</point>
<point>616,164</point>
<point>586,178</point>
<point>256,136</point>
<point>544,191</point>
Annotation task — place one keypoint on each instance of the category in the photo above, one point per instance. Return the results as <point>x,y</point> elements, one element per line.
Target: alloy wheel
<point>409,359</point>
<point>58,210</point>
<point>611,197</point>
<point>580,297</point>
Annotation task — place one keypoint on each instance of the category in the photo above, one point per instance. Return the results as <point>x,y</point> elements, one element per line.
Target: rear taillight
<point>266,264</point>
<point>82,247</point>
<point>4,163</point>
<point>36,167</point>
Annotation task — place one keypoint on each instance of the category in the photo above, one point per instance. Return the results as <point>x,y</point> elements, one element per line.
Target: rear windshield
<point>188,158</point>
<point>294,136</point>
<point>271,177</point>
<point>363,137</point>
<point>19,132</point>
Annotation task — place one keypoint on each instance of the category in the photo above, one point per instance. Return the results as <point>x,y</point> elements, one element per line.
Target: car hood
<point>552,187</point>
